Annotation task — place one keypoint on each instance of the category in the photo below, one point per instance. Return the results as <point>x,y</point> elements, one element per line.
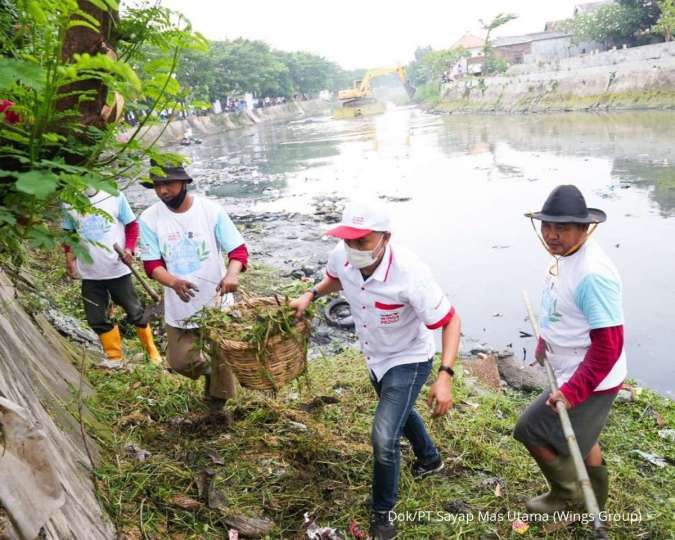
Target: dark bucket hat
<point>566,204</point>
<point>172,173</point>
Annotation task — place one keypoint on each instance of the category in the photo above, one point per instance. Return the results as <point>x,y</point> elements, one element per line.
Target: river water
<point>461,185</point>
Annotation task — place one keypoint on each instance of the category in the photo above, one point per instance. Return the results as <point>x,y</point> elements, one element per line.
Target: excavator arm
<point>363,89</point>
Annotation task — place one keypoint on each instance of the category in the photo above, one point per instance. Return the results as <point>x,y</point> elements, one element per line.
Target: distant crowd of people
<point>228,105</point>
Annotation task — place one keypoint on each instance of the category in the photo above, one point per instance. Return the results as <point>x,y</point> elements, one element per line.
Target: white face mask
<point>362,259</point>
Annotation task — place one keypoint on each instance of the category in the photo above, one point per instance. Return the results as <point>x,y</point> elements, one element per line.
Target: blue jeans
<point>396,415</point>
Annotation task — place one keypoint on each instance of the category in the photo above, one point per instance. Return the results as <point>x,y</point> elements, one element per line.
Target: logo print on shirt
<point>186,256</point>
<point>94,228</point>
<point>389,318</point>
<point>549,308</point>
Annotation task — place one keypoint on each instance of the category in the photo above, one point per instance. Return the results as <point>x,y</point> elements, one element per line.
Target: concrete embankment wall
<point>636,78</point>
<point>216,123</point>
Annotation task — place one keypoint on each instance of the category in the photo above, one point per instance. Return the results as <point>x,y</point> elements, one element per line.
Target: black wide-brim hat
<point>171,174</point>
<point>566,204</point>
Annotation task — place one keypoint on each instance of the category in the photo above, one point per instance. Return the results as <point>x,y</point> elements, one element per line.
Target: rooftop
<point>469,41</point>
<point>527,38</point>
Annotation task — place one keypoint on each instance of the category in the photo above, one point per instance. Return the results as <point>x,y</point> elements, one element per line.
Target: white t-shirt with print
<point>584,293</point>
<point>395,309</point>
<point>192,244</point>
<point>99,233</point>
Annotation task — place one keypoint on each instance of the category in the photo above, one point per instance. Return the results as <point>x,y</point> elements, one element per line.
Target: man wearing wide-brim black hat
<point>581,321</point>
<point>184,241</point>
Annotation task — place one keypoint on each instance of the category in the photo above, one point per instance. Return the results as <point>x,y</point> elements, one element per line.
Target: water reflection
<point>469,180</point>
<point>658,178</point>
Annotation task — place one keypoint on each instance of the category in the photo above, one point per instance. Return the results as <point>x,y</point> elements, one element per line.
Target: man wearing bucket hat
<point>183,241</point>
<point>581,321</point>
<point>395,303</point>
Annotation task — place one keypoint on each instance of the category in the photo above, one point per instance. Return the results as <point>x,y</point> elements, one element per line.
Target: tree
<point>241,65</point>
<point>625,21</point>
<point>418,74</point>
<point>646,13</point>
<point>492,63</point>
<point>436,63</point>
<point>66,85</point>
<point>666,23</point>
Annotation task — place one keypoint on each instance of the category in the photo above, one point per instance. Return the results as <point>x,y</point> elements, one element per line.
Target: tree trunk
<point>79,40</point>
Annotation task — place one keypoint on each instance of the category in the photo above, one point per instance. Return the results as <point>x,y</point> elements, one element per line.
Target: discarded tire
<point>339,314</point>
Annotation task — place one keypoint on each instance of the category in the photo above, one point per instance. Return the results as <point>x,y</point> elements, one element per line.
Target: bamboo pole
<point>153,294</point>
<point>582,474</point>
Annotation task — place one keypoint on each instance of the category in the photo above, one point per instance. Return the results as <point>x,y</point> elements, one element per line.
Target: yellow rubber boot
<point>111,342</point>
<point>145,335</point>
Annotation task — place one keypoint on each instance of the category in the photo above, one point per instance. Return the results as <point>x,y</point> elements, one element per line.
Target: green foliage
<point>494,63</point>
<point>54,151</point>
<point>429,65</point>
<point>615,24</point>
<point>666,23</point>
<point>230,68</point>
<point>429,93</point>
<point>418,74</point>
<point>436,63</point>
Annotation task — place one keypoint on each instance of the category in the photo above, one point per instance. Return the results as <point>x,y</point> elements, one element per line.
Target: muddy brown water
<point>462,184</point>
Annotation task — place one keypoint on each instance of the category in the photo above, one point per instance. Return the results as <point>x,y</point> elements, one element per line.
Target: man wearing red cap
<point>395,303</point>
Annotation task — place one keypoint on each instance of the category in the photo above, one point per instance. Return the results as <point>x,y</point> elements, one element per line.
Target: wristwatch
<point>315,293</point>
<point>447,369</point>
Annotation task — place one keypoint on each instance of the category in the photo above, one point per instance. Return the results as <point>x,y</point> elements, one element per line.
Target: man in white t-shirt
<point>184,240</point>
<point>396,304</point>
<point>105,276</point>
<point>581,321</point>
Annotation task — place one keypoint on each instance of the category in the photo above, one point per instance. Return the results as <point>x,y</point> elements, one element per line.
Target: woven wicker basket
<point>284,357</point>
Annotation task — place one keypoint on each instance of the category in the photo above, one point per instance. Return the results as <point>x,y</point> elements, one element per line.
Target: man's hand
<point>127,257</point>
<point>301,304</point>
<point>71,269</point>
<point>184,289</point>
<point>229,284</point>
<point>440,395</point>
<point>557,396</point>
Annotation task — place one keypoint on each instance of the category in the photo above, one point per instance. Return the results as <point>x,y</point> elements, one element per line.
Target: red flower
<point>11,117</point>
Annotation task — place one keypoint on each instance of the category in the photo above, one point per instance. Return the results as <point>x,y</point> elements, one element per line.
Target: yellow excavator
<point>360,100</point>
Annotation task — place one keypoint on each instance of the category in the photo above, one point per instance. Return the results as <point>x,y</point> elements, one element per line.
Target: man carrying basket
<point>395,303</point>
<point>183,241</point>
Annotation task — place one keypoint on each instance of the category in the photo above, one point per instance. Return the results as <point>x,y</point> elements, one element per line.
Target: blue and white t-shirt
<point>586,294</point>
<point>192,245</point>
<point>98,234</point>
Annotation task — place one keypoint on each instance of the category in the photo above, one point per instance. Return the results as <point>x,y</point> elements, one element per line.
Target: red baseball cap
<point>359,219</point>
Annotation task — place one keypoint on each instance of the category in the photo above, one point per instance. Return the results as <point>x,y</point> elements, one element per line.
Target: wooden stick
<point>582,474</point>
<point>153,294</point>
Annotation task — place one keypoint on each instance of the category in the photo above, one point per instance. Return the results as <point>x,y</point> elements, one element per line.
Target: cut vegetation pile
<point>260,338</point>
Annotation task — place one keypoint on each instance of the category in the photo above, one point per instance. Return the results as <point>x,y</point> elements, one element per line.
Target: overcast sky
<point>363,33</point>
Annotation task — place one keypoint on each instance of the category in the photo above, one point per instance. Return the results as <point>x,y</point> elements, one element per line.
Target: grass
<point>272,467</point>
<point>308,450</point>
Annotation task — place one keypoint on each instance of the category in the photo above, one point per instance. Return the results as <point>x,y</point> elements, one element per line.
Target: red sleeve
<point>149,266</point>
<point>67,248</point>
<point>131,233</point>
<point>605,350</point>
<point>239,254</point>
